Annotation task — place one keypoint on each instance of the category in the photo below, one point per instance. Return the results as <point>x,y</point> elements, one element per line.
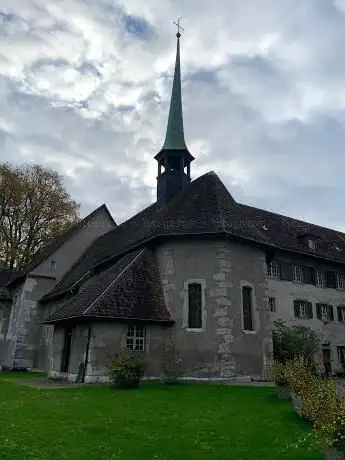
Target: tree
<point>290,342</point>
<point>35,208</point>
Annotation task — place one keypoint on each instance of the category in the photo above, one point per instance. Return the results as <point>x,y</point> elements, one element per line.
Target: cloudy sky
<point>85,88</point>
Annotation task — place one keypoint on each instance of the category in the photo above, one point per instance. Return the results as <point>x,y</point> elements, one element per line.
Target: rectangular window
<point>272,304</point>
<point>53,265</point>
<point>341,313</point>
<point>324,312</point>
<point>273,270</point>
<point>340,281</point>
<point>194,306</point>
<point>311,243</point>
<point>297,273</point>
<point>341,355</point>
<point>247,305</point>
<point>303,309</point>
<point>320,278</point>
<point>136,338</point>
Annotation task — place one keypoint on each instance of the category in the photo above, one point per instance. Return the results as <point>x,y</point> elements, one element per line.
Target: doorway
<point>326,353</point>
<point>66,352</point>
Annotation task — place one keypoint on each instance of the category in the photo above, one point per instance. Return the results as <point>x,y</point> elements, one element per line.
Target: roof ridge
<point>114,281</point>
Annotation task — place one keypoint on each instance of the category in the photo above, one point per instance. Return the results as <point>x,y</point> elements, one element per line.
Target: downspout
<point>86,353</point>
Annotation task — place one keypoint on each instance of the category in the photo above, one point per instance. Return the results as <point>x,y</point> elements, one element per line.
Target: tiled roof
<point>130,289</point>
<point>205,206</point>
<point>48,250</point>
<point>286,232</point>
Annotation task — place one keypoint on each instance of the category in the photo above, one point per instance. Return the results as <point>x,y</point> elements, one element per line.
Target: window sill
<point>194,329</point>
<point>249,332</point>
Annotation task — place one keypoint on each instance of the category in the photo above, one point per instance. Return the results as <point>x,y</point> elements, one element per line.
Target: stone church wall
<point>221,349</point>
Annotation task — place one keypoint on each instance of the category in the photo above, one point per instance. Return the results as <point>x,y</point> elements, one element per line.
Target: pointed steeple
<point>174,159</point>
<point>174,138</point>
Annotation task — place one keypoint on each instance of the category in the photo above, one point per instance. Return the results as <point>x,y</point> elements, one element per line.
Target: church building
<point>195,276</point>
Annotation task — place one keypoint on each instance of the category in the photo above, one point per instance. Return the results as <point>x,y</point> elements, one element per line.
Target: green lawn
<point>152,422</point>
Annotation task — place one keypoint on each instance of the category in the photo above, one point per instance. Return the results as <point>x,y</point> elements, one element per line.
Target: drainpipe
<point>86,353</point>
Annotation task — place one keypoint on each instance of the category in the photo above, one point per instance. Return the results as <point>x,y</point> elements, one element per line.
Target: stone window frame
<point>185,320</point>
<point>137,334</point>
<point>255,318</point>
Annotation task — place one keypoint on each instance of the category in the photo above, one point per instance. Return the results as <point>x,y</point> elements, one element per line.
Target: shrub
<point>127,370</point>
<point>299,375</point>
<point>278,373</point>
<point>320,401</point>
<point>326,409</point>
<point>289,342</point>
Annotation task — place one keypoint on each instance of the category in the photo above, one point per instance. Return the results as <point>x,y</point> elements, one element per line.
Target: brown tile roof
<point>130,289</point>
<point>48,250</point>
<point>204,207</point>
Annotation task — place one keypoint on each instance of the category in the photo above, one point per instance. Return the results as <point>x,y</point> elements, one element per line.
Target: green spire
<point>174,139</point>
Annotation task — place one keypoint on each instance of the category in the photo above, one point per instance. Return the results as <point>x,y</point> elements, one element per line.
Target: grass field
<point>153,422</point>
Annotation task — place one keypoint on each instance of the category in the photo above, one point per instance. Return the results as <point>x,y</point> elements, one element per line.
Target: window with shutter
<point>320,278</point>
<point>297,273</point>
<point>340,280</point>
<point>324,312</point>
<point>302,309</point>
<point>194,306</point>
<point>247,306</point>
<point>273,270</point>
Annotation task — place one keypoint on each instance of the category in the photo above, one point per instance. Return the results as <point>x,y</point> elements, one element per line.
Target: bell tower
<point>174,159</point>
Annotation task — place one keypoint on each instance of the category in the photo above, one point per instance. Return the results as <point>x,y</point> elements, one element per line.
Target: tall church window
<point>247,306</point>
<point>194,306</point>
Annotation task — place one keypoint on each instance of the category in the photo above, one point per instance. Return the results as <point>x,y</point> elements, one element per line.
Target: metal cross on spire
<point>178,27</point>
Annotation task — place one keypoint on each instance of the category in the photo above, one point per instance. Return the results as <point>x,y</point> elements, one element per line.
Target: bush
<point>289,342</point>
<point>278,373</point>
<point>326,409</point>
<point>128,370</point>
<point>299,375</point>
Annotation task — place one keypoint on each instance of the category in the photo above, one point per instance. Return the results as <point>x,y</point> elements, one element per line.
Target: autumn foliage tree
<point>35,208</point>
